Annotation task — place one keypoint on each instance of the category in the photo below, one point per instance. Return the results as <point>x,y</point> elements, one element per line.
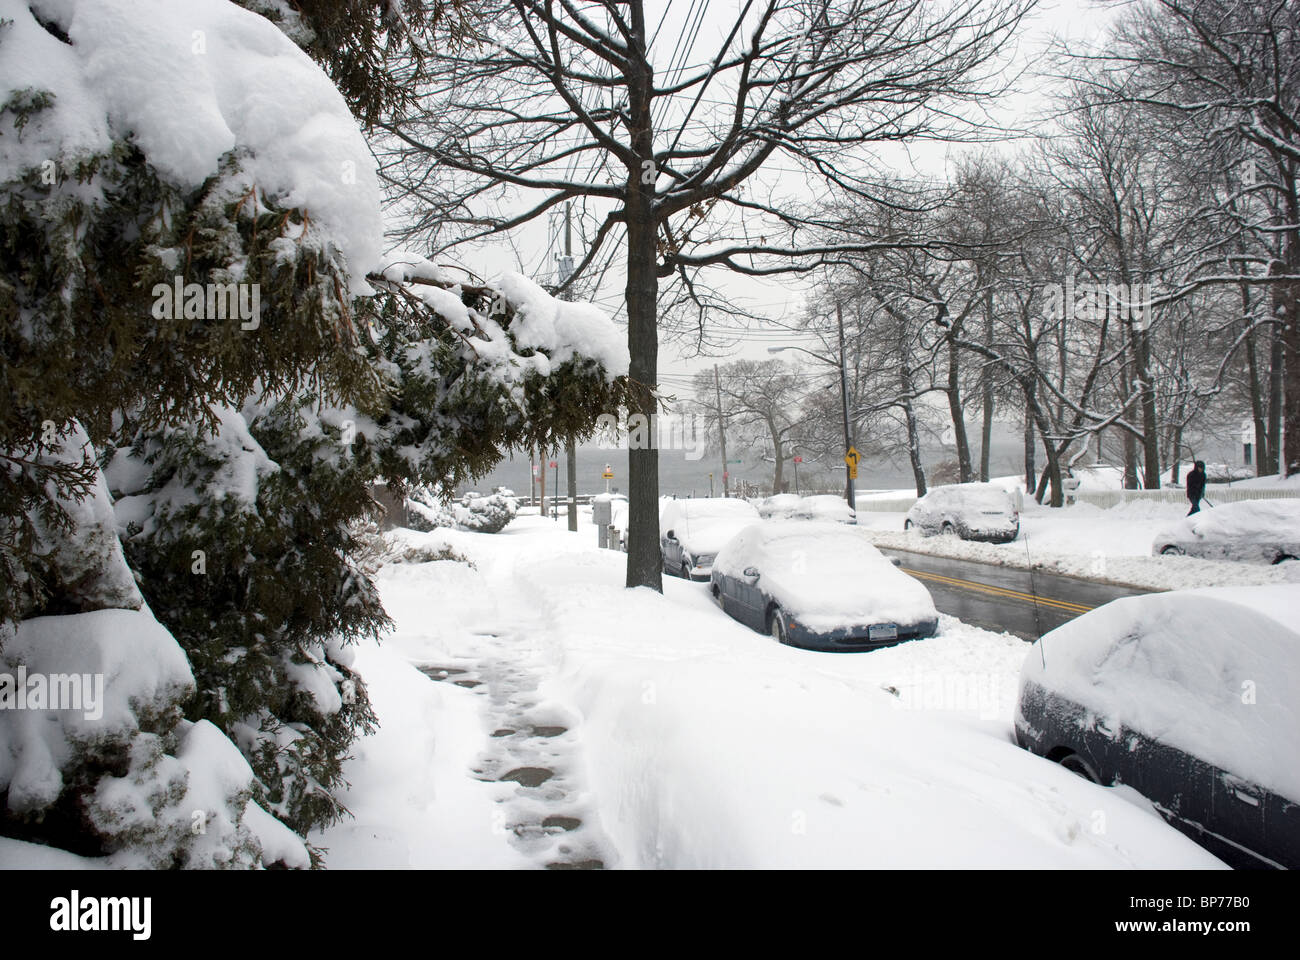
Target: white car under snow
<point>826,506</point>
<point>781,506</point>
<point>1251,531</point>
<point>972,511</point>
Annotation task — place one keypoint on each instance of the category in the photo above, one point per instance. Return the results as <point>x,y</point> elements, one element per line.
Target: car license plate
<point>882,631</point>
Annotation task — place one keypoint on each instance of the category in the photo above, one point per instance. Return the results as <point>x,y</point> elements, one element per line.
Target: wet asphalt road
<point>1005,598</point>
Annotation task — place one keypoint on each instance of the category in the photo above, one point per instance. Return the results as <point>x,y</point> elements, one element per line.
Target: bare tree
<point>565,104</point>
<point>761,402</point>
<point>1229,72</point>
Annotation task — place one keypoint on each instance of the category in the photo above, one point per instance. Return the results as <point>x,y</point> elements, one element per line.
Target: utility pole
<point>844,398</point>
<point>570,449</point>
<point>722,434</point>
<point>541,481</point>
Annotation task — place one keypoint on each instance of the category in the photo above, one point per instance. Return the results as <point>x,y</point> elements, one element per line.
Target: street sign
<point>851,460</point>
<point>737,460</point>
<point>798,459</point>
<point>553,464</point>
<point>608,473</point>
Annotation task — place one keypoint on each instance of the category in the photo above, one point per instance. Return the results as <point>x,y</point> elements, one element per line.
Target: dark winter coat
<point>1195,484</point>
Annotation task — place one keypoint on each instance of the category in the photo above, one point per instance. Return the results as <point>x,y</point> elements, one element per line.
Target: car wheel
<point>1172,551</point>
<point>686,572</point>
<point>949,530</point>
<point>776,627</point>
<point>1077,765</point>
<point>1283,557</point>
<point>907,524</point>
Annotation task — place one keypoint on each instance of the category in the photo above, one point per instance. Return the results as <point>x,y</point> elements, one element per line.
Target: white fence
<point>1215,494</point>
<point>1111,498</point>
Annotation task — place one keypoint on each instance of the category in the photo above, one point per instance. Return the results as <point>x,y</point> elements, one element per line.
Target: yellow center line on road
<point>1065,605</point>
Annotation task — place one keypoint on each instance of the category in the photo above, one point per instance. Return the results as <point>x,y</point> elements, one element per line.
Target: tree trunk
<point>958,418</point>
<point>1289,313</point>
<point>1147,392</point>
<point>571,471</point>
<point>909,415</point>
<point>986,434</point>
<point>1130,444</point>
<point>1052,473</point>
<point>1276,372</point>
<point>644,559</point>
<point>778,453</point>
<point>1256,386</point>
<point>1031,469</point>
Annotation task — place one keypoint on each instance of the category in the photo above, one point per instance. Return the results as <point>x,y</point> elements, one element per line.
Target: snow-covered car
<point>972,511</point>
<point>826,506</point>
<point>782,506</point>
<point>692,531</point>
<point>820,585</point>
<point>1192,698</point>
<point>1253,531</point>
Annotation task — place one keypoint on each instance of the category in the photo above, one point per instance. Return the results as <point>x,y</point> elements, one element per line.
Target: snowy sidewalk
<point>471,767</point>
<point>647,730</point>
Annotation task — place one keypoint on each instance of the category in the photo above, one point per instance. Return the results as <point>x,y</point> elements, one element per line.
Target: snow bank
<point>1214,672</point>
<point>1109,545</point>
<point>707,752</point>
<point>708,745</point>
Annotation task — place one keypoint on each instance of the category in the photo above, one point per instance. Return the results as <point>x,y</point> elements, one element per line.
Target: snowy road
<point>1026,603</point>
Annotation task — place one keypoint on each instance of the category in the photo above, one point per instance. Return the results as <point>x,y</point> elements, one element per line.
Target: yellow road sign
<point>853,458</point>
<point>853,470</point>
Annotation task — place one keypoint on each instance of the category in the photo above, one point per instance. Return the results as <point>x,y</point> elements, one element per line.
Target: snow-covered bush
<point>426,510</point>
<point>376,548</point>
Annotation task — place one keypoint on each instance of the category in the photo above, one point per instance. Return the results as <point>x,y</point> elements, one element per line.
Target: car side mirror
<point>896,561</point>
<point>670,535</point>
<point>751,572</point>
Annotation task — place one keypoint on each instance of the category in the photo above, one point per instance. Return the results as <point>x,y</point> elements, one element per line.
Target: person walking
<point>1196,486</point>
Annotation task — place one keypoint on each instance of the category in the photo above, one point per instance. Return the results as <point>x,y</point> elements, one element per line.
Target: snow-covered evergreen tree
<point>152,153</point>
